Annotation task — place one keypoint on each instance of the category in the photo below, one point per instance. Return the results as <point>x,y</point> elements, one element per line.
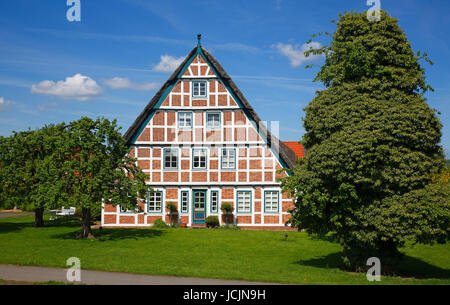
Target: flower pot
<point>173,217</point>
<point>227,217</point>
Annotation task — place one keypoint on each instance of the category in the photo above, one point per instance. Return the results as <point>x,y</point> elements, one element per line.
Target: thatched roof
<point>286,154</point>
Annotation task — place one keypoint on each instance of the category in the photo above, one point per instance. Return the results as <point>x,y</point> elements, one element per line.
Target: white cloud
<point>168,64</point>
<point>77,87</point>
<point>296,54</point>
<point>125,83</point>
<point>4,105</point>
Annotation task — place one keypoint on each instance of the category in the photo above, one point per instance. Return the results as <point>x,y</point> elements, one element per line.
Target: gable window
<point>213,120</point>
<point>154,202</point>
<point>271,199</point>
<point>185,120</point>
<point>199,158</point>
<point>170,158</point>
<point>228,158</point>
<point>199,89</point>
<point>214,201</point>
<point>244,202</point>
<point>184,202</point>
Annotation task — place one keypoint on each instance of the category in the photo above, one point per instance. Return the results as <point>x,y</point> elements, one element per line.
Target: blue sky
<point>113,61</point>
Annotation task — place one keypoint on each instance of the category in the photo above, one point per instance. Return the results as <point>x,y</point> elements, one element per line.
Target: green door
<point>199,206</point>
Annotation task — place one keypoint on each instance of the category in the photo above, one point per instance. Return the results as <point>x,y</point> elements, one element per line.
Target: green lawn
<point>209,253</point>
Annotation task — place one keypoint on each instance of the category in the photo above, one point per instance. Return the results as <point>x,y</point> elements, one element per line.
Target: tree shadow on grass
<point>14,225</point>
<point>115,234</point>
<point>8,227</point>
<point>327,237</point>
<point>63,222</point>
<point>120,234</point>
<point>330,261</point>
<point>409,267</point>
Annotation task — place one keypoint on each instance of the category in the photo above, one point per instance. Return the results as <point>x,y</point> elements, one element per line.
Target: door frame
<point>193,206</point>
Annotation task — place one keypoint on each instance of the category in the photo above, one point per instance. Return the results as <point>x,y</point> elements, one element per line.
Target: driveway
<point>6,215</point>
<point>45,274</point>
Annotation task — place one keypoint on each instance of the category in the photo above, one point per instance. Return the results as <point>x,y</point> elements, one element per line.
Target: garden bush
<point>160,224</point>
<point>212,221</point>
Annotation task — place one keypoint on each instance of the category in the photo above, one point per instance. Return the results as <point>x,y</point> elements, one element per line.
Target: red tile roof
<point>297,148</point>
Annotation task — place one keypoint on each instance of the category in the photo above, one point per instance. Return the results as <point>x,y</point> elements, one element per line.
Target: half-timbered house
<point>203,145</point>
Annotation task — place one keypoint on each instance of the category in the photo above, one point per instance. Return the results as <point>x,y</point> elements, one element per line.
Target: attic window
<point>199,89</point>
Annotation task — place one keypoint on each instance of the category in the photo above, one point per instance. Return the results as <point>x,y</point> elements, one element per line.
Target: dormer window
<point>199,89</point>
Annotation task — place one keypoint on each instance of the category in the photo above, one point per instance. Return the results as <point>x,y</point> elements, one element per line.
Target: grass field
<point>208,253</point>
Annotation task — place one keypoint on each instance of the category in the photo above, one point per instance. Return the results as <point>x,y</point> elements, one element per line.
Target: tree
<point>99,170</point>
<point>5,202</point>
<point>373,146</point>
<point>31,170</point>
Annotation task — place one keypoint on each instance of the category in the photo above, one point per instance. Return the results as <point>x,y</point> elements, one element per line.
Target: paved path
<point>5,215</point>
<point>45,274</point>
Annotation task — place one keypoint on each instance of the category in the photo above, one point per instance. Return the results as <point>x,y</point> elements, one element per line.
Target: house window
<point>185,120</point>
<point>228,158</point>
<point>199,89</point>
<point>184,202</point>
<point>125,210</point>
<point>199,159</point>
<point>244,202</point>
<point>213,120</point>
<point>170,158</point>
<point>214,201</point>
<point>271,201</point>
<point>154,201</point>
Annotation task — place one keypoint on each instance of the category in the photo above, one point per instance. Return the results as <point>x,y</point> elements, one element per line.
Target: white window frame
<point>172,155</point>
<point>203,154</point>
<point>271,202</point>
<point>152,201</point>
<point>197,90</point>
<point>217,124</point>
<point>182,120</point>
<point>214,201</point>
<point>226,159</point>
<point>244,206</point>
<point>184,202</point>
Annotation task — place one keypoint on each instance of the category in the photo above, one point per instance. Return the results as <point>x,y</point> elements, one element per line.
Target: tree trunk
<point>86,230</point>
<point>39,217</point>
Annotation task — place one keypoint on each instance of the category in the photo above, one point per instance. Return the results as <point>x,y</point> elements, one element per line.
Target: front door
<point>199,208</point>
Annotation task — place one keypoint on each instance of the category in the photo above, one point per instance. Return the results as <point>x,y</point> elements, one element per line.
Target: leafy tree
<point>31,170</point>
<point>98,169</point>
<point>5,202</point>
<point>373,146</point>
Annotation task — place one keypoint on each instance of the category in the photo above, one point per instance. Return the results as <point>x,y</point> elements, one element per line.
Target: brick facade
<point>253,170</point>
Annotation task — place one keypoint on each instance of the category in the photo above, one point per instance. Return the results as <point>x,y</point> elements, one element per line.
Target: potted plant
<point>227,212</point>
<point>173,213</point>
